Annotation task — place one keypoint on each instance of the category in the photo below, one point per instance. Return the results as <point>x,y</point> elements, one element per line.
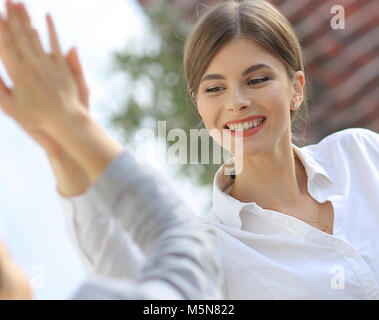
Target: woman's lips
<point>248,119</point>
<point>247,132</point>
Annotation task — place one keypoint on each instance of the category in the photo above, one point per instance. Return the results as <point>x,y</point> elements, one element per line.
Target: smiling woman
<point>289,218</point>
<point>284,220</point>
<point>259,22</point>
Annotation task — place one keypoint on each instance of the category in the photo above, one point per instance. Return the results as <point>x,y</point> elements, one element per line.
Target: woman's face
<point>266,92</point>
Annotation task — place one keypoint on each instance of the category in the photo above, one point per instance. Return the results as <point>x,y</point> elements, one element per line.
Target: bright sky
<point>31,219</point>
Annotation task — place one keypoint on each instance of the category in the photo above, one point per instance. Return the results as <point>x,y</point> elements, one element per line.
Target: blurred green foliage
<point>170,100</point>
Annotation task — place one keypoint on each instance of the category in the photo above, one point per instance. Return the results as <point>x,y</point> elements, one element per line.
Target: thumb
<point>76,68</point>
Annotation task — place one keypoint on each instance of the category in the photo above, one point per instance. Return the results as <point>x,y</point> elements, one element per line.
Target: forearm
<point>84,141</point>
<point>71,179</point>
<point>182,261</point>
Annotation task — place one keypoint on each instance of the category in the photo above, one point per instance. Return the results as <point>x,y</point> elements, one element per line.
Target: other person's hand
<point>44,85</point>
<point>14,285</point>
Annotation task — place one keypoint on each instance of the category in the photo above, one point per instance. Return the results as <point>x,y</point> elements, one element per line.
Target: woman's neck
<point>273,183</point>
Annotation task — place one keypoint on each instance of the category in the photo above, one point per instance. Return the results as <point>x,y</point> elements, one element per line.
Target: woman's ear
<point>298,87</point>
<point>193,98</point>
<point>298,83</point>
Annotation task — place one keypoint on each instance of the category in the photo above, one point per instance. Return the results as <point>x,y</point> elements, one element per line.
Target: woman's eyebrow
<point>248,70</point>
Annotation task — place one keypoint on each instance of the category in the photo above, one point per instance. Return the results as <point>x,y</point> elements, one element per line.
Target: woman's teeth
<point>245,125</point>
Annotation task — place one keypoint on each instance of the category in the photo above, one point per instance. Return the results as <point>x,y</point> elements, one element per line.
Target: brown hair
<point>257,20</point>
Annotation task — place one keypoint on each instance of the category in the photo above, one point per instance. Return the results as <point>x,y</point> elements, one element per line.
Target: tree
<point>163,70</point>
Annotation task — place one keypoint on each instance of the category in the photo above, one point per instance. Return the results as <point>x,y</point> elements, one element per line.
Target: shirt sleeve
<point>181,256</point>
<point>103,246</point>
<point>371,141</point>
<point>363,147</point>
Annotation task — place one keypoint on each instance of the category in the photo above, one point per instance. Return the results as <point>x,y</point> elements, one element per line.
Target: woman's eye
<point>259,80</point>
<point>212,89</point>
<point>254,81</point>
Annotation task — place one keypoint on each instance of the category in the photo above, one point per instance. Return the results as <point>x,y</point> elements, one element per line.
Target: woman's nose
<point>237,100</point>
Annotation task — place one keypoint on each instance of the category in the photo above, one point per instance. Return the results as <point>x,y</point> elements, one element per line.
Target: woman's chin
<point>246,149</point>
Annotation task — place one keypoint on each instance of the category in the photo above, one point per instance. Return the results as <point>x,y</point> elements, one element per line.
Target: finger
<point>8,54</point>
<point>15,30</point>
<point>30,34</point>
<point>26,44</point>
<point>9,7</point>
<point>82,82</point>
<point>54,42</point>
<point>23,52</point>
<point>77,70</point>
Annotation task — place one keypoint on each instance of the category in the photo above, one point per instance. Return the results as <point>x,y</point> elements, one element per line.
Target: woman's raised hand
<point>44,85</point>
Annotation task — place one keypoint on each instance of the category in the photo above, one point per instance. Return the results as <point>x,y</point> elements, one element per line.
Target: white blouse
<point>266,254</point>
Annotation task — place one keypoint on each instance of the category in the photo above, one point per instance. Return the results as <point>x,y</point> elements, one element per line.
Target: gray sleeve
<point>181,259</point>
<point>103,246</point>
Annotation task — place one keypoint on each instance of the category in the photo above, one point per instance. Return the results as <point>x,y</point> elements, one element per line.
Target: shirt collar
<point>228,209</point>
